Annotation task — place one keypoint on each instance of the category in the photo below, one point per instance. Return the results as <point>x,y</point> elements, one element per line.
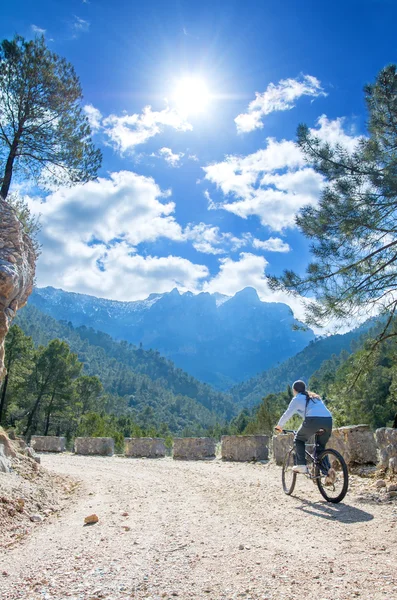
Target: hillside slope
<point>140,382</point>
<point>301,366</point>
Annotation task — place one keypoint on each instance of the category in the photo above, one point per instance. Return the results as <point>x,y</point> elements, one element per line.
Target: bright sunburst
<point>191,95</point>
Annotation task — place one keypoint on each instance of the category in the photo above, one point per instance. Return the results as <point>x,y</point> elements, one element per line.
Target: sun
<point>191,95</point>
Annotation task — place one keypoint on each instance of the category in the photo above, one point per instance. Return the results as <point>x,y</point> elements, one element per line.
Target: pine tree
<point>19,351</point>
<point>51,382</point>
<point>43,130</point>
<point>353,228</point>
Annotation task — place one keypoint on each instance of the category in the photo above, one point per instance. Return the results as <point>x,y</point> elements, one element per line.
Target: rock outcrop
<point>17,269</point>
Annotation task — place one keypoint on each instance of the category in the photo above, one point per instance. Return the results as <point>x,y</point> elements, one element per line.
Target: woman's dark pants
<point>308,428</point>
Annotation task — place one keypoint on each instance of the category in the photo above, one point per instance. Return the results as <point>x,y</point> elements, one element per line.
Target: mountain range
<point>218,339</point>
<point>154,391</point>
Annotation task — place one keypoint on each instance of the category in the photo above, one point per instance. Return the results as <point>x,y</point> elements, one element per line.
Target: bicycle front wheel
<point>288,476</point>
<point>332,476</point>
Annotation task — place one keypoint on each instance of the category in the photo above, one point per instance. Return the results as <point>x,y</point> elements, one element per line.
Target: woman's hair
<point>300,387</point>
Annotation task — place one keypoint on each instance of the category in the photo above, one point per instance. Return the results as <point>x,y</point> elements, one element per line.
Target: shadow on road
<point>334,512</point>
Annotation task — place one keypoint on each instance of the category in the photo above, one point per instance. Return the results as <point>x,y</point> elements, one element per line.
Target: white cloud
<point>333,132</point>
<point>210,240</point>
<point>253,185</point>
<point>273,183</point>
<point>275,98</point>
<point>115,272</point>
<point>80,25</point>
<point>94,117</point>
<point>123,275</point>
<point>271,245</point>
<point>124,206</point>
<point>38,30</point>
<point>171,158</point>
<point>90,233</point>
<point>128,131</point>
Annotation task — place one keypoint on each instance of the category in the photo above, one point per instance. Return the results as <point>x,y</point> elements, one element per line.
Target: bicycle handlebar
<point>288,431</point>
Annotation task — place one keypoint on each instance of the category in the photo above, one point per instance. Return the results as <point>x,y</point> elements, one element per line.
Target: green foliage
<point>95,425</point>
<point>19,353</point>
<point>361,388</point>
<point>50,385</point>
<point>137,383</point>
<point>44,133</point>
<point>352,229</point>
<point>262,418</point>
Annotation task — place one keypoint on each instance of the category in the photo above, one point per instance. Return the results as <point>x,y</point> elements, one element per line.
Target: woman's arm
<point>292,410</point>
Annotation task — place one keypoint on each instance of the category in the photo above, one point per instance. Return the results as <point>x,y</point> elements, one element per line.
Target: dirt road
<point>171,529</point>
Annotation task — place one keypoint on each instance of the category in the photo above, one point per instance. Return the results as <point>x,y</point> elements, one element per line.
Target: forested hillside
<point>301,366</point>
<point>137,383</point>
<point>358,387</point>
<point>361,388</point>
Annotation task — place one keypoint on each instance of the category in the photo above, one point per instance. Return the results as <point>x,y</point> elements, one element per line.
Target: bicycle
<point>327,469</point>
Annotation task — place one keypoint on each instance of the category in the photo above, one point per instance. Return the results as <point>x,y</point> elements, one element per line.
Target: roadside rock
<point>4,462</point>
<point>36,518</point>
<point>32,454</point>
<point>17,269</point>
<point>91,519</point>
<point>380,484</point>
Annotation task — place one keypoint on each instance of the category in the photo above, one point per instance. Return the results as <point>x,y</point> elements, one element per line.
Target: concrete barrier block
<point>87,446</point>
<point>49,443</point>
<point>245,447</point>
<point>145,447</point>
<point>194,448</point>
<point>281,444</point>
<point>356,443</point>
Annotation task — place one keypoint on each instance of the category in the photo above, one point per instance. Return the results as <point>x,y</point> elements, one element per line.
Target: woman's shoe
<point>300,469</point>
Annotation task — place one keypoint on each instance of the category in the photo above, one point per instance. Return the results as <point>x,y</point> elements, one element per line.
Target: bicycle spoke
<point>288,476</point>
<point>332,475</point>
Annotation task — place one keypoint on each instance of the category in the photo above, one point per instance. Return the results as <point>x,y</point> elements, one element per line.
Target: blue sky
<point>199,199</point>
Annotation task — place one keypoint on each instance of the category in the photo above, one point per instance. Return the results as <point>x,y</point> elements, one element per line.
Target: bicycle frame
<point>321,465</point>
<point>312,457</point>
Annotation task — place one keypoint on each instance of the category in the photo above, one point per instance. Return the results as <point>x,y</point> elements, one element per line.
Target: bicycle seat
<point>320,432</point>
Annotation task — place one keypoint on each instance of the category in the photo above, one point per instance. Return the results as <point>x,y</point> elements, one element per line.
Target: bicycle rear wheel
<point>332,476</point>
<point>288,477</point>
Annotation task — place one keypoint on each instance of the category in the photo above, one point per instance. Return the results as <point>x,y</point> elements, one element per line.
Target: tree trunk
<point>48,415</point>
<point>28,433</point>
<point>395,422</point>
<point>3,404</point>
<point>8,169</point>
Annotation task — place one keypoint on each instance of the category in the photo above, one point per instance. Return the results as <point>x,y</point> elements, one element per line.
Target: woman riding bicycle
<point>315,416</point>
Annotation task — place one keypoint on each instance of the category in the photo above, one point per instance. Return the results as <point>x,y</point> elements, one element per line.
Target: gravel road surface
<point>197,530</point>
